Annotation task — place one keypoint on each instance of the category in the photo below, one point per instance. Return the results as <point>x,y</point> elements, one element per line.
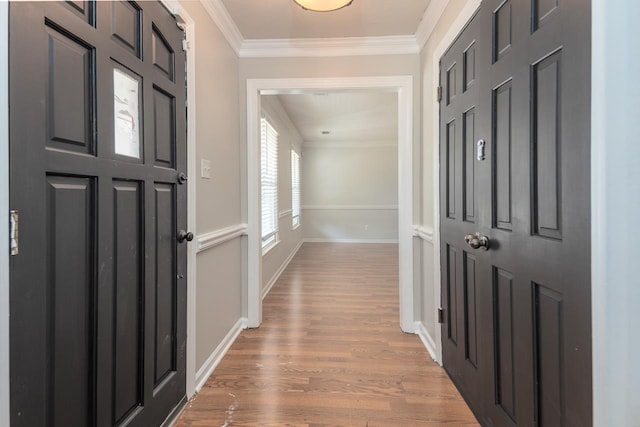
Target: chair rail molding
<point>350,207</point>
<point>218,237</point>
<point>425,233</point>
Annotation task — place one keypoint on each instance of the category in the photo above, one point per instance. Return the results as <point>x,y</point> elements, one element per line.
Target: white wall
<point>350,192</point>
<point>615,183</point>
<point>289,239</point>
<point>218,299</point>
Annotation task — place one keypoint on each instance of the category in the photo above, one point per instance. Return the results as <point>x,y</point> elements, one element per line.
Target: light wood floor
<point>330,352</point>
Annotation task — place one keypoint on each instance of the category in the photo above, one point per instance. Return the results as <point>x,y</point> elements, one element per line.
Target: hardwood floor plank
<point>330,352</point>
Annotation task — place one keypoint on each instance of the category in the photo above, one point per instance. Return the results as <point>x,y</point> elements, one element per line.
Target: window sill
<point>295,227</point>
<point>270,246</point>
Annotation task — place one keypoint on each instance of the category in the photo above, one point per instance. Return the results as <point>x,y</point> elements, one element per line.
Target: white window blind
<point>295,187</point>
<point>269,168</point>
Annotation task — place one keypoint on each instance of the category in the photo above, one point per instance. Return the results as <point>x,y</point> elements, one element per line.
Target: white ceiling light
<point>323,5</point>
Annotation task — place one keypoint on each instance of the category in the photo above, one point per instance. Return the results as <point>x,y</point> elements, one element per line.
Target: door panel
<point>529,103</point>
<point>98,138</point>
<point>462,346</point>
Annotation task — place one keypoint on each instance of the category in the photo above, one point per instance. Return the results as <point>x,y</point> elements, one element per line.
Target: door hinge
<point>14,225</point>
<point>440,315</point>
<point>439,93</point>
<point>185,45</point>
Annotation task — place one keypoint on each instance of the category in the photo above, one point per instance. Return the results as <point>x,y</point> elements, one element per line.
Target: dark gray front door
<point>517,330</point>
<point>97,140</point>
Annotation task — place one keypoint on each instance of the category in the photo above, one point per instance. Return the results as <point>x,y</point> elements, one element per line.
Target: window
<point>269,176</point>
<point>295,188</point>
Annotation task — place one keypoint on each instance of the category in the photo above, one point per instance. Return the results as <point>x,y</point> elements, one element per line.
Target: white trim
<point>615,185</point>
<point>425,233</point>
<point>403,85</point>
<point>275,242</point>
<point>427,340</point>
<point>5,414</point>
<point>218,354</point>
<point>349,144</point>
<point>456,27</point>
<point>321,47</point>
<point>280,270</point>
<point>190,30</point>
<point>218,237</point>
<point>330,240</point>
<point>225,23</point>
<point>429,21</point>
<point>254,207</point>
<point>350,207</point>
<point>285,214</point>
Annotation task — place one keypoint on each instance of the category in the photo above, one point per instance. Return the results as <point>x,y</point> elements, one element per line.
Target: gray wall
<point>289,239</point>
<point>350,192</point>
<point>218,200</point>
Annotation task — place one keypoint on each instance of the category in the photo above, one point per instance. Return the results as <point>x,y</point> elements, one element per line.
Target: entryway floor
<point>330,352</point>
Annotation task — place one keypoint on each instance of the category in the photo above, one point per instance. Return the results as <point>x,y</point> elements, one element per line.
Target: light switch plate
<point>205,169</point>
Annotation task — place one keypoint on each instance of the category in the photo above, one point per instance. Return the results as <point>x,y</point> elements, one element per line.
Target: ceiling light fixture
<point>323,5</point>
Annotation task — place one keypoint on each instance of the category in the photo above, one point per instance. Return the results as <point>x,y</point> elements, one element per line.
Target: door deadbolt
<point>481,145</point>
<point>182,178</point>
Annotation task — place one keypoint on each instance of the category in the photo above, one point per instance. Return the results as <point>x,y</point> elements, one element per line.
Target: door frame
<point>458,25</point>
<point>403,86</point>
<point>4,210</point>
<point>189,27</point>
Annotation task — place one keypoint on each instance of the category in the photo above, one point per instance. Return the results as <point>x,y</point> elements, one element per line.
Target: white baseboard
<point>215,358</point>
<point>427,340</point>
<point>284,265</point>
<point>324,240</point>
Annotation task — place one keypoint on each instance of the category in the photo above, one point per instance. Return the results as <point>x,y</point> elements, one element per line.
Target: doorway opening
<point>403,87</point>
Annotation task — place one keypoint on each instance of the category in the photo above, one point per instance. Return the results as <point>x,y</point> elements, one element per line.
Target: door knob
<point>184,235</point>
<point>477,241</point>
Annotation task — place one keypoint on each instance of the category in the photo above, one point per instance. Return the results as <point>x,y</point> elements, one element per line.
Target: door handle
<point>184,235</point>
<point>477,241</point>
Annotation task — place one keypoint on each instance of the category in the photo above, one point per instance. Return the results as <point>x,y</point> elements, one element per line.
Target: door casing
<point>189,28</point>
<point>403,86</point>
<point>4,210</point>
<point>465,15</point>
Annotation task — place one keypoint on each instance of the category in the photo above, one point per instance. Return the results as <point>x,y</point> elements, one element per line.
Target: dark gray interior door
<point>97,141</point>
<point>517,330</point>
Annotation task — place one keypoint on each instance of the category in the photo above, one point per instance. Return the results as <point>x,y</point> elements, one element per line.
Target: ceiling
<point>283,19</point>
<point>350,117</point>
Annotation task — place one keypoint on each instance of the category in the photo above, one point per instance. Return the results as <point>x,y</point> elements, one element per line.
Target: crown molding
<point>429,21</point>
<point>225,23</point>
<point>323,47</point>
